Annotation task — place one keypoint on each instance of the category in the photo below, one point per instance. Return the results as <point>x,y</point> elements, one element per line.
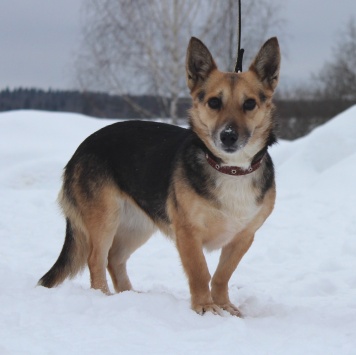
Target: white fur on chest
<point>237,196</point>
<point>238,208</point>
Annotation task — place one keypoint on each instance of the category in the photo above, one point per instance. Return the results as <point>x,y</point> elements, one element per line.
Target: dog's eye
<point>249,104</point>
<point>215,103</point>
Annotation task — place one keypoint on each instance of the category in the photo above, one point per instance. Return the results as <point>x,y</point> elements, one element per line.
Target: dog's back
<point>137,156</point>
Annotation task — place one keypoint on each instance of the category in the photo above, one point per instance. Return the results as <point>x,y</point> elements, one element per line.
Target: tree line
<point>96,104</point>
<point>296,117</point>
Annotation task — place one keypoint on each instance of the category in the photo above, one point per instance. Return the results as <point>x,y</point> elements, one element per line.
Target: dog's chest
<point>237,208</point>
<point>236,195</point>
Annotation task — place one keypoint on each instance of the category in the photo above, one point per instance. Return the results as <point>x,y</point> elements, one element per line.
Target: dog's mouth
<point>229,140</point>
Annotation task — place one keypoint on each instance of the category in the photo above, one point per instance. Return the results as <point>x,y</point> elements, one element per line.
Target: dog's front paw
<point>209,307</point>
<point>232,309</point>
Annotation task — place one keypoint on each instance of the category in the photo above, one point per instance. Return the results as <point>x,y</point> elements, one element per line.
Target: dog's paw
<point>232,309</point>
<point>209,307</point>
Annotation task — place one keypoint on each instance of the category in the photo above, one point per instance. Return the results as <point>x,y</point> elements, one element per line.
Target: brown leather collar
<point>234,170</point>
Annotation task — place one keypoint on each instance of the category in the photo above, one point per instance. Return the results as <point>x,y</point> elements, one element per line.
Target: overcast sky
<point>38,39</point>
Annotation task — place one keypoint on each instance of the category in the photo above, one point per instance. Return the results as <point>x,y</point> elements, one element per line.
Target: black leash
<point>240,51</point>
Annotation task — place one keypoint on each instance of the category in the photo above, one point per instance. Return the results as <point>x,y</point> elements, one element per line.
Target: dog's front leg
<point>230,257</point>
<point>196,269</point>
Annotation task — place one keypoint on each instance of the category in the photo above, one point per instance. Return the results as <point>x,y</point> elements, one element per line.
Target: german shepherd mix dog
<point>211,186</point>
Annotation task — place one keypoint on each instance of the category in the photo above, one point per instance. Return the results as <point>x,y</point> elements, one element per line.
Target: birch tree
<point>138,46</point>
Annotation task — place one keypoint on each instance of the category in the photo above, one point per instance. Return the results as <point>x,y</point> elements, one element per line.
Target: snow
<point>296,285</point>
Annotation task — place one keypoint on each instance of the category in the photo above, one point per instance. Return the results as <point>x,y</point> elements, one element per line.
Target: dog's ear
<point>199,63</point>
<point>267,62</point>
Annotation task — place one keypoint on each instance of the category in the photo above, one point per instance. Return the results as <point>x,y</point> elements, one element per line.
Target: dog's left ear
<point>198,64</point>
<point>267,63</point>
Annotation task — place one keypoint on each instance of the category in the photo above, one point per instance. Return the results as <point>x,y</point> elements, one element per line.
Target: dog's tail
<point>74,254</point>
<point>71,260</point>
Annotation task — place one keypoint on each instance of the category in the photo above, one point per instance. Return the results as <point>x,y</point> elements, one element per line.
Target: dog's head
<point>232,112</point>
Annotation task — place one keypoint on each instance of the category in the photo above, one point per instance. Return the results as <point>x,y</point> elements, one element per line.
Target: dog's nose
<point>228,137</point>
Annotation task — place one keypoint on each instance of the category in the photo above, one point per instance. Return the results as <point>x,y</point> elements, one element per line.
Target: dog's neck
<point>235,170</point>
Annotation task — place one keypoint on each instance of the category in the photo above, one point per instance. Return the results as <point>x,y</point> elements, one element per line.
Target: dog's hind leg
<point>134,230</point>
<point>117,266</point>
<point>101,218</point>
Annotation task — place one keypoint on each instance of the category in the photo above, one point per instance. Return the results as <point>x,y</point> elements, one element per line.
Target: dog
<point>210,186</point>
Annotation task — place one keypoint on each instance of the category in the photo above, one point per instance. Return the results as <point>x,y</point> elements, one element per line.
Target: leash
<point>240,51</point>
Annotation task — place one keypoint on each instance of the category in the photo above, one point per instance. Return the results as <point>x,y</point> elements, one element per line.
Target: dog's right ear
<point>267,63</point>
<point>199,63</point>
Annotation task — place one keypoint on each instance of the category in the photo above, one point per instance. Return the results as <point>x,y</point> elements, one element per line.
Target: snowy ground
<point>296,285</point>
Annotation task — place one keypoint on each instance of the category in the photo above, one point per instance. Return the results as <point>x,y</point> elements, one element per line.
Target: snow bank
<point>296,285</point>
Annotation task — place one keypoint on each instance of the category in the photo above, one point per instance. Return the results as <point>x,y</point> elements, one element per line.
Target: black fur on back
<point>140,157</point>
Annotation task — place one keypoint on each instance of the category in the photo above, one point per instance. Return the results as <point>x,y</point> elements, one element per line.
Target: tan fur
<point>109,226</point>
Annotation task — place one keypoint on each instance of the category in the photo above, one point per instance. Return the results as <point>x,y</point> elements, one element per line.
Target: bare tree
<point>138,46</point>
<point>337,78</point>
